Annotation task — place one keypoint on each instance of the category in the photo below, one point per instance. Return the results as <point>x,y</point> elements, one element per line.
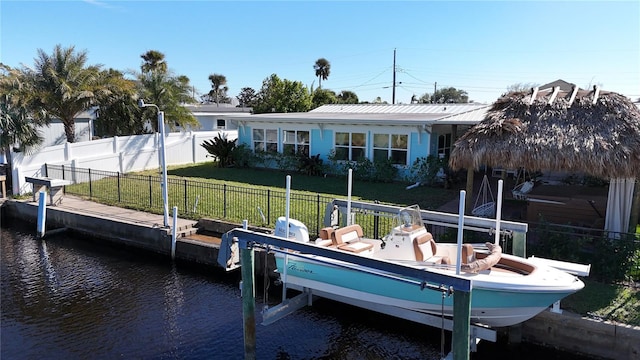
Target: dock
<point>199,242</point>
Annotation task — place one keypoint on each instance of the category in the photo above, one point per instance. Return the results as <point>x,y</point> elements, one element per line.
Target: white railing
<point>121,154</point>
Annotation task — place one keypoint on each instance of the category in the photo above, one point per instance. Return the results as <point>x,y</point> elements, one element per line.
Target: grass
<point>391,193</point>
<point>613,302</point>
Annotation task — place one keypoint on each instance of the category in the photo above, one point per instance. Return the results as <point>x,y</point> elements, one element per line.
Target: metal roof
<point>217,109</point>
<point>394,115</point>
<point>442,109</point>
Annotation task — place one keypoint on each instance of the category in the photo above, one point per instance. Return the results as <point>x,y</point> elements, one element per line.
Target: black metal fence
<point>194,199</point>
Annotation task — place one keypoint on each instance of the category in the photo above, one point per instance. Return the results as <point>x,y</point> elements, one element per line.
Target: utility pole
<point>435,85</point>
<point>393,97</point>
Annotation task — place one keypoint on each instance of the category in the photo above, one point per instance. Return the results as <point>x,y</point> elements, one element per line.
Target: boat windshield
<point>409,218</point>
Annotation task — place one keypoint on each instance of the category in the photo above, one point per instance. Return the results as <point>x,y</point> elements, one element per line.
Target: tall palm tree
<point>169,93</point>
<point>218,87</point>
<point>322,68</point>
<point>153,61</point>
<point>64,86</point>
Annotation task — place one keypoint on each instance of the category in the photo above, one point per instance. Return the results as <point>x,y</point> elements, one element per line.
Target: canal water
<point>69,297</point>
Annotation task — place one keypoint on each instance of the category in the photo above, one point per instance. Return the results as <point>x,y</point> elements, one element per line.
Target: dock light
<point>163,160</point>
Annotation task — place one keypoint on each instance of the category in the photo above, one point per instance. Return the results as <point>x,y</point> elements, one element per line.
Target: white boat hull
<point>494,303</point>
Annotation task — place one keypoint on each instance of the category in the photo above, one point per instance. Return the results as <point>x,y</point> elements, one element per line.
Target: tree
<point>322,68</point>
<point>378,100</point>
<point>246,97</point>
<point>218,88</point>
<point>278,95</point>
<point>18,126</point>
<point>159,86</point>
<point>64,86</point>
<point>118,112</point>
<point>518,87</point>
<point>347,97</point>
<point>450,95</point>
<point>424,99</point>
<point>323,96</point>
<point>153,61</point>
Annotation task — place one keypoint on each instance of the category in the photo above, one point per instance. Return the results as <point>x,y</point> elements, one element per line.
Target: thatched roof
<point>556,130</point>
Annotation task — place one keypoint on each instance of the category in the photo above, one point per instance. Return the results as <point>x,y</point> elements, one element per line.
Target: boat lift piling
<point>248,297</point>
<point>42,214</point>
<point>248,240</point>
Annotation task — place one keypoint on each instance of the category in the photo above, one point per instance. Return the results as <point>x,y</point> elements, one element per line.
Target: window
<point>350,146</point>
<point>295,142</point>
<point>444,146</point>
<point>265,140</point>
<point>390,146</point>
<point>221,124</point>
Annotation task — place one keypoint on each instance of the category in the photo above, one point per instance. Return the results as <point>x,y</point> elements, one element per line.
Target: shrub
<point>221,149</point>
<point>310,165</point>
<point>425,170</point>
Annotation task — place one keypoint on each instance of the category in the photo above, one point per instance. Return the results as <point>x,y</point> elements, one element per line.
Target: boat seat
<point>424,246</point>
<point>325,237</point>
<point>348,238</point>
<point>468,254</point>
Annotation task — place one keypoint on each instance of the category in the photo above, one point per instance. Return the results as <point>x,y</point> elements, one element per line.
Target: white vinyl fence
<point>121,154</point>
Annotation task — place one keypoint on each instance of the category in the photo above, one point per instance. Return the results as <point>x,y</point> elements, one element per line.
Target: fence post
<point>46,170</point>
<point>376,222</point>
<point>119,198</point>
<point>224,201</point>
<point>186,208</point>
<point>90,188</point>
<point>268,206</point>
<point>150,193</point>
<point>63,173</point>
<point>317,213</point>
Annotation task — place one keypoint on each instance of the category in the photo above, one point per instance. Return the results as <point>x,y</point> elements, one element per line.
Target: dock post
<point>174,233</point>
<point>42,214</point>
<point>248,299</point>
<point>461,329</point>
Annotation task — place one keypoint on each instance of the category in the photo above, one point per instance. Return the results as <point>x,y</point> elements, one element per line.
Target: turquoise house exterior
<point>402,133</point>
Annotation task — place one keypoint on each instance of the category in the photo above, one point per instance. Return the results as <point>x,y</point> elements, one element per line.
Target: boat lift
<point>460,287</point>
<point>465,336</point>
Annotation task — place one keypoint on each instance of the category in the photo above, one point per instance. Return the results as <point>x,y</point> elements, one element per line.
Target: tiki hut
<point>573,130</point>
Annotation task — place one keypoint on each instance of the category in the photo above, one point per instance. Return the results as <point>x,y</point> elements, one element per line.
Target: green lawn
<point>393,193</point>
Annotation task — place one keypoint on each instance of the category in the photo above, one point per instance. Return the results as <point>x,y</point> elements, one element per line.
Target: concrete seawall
<point>566,331</point>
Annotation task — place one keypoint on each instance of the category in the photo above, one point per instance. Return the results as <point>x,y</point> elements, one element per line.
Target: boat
<point>506,289</point>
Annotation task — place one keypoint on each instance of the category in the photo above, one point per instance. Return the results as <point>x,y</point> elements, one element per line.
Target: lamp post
<point>163,160</point>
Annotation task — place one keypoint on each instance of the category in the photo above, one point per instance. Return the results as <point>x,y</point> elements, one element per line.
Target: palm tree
<point>322,68</point>
<point>18,129</point>
<point>153,61</point>
<point>118,112</point>
<point>169,93</point>
<point>218,87</point>
<point>64,86</point>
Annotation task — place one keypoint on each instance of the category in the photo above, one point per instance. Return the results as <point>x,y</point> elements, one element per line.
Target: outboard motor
<point>297,230</point>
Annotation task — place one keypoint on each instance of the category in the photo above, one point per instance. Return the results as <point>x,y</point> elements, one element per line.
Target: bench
<point>55,187</point>
<point>348,238</point>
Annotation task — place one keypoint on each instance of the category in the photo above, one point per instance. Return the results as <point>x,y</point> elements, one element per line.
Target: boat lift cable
<point>444,294</point>
<point>266,281</point>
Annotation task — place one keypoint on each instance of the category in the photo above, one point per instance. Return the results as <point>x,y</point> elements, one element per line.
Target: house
<point>403,132</point>
<point>217,116</point>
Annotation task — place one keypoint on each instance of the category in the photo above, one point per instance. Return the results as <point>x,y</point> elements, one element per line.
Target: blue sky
<point>477,46</point>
